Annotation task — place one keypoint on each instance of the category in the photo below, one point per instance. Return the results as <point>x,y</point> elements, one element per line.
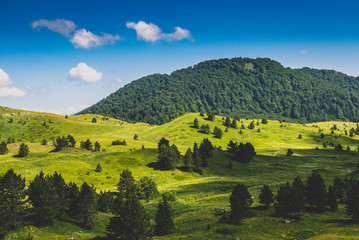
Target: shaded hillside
<point>252,88</point>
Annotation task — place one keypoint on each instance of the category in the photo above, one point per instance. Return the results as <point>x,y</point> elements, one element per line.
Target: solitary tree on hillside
<point>94,120</point>
<point>227,123</point>
<point>289,152</point>
<point>211,116</point>
<point>23,150</point>
<point>97,147</point>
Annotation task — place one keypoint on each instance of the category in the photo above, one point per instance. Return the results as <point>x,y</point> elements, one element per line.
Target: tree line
<point>49,198</point>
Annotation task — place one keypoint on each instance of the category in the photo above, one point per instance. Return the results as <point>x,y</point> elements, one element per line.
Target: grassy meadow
<point>198,195</point>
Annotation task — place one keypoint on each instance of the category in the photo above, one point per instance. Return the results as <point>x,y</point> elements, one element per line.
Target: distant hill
<point>250,88</point>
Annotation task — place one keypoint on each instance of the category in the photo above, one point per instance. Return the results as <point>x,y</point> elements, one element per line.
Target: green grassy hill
<point>198,195</point>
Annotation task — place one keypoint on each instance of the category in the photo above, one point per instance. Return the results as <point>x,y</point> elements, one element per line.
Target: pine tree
<point>211,116</point>
<point>332,199</point>
<point>196,123</point>
<point>168,157</point>
<point>86,145</point>
<point>316,192</point>
<point>94,120</point>
<point>240,201</point>
<point>227,123</point>
<point>196,156</point>
<point>206,151</point>
<point>289,152</point>
<point>44,200</point>
<point>351,203</point>
<point>283,200</point>
<point>86,206</point>
<point>163,141</point>
<point>72,196</point>
<point>234,123</point>
<point>147,188</point>
<point>131,221</point>
<point>135,137</point>
<point>12,201</point>
<point>61,189</point>
<point>338,188</point>
<point>23,150</point>
<point>251,125</point>
<point>71,141</point>
<point>188,160</point>
<point>266,196</point>
<point>3,148</point>
<point>98,168</point>
<point>164,218</point>
<point>97,147</point>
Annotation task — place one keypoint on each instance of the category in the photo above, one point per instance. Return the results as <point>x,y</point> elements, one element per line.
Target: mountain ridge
<point>250,88</point>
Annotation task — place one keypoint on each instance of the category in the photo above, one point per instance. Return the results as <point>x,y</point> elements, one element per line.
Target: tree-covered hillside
<point>253,88</point>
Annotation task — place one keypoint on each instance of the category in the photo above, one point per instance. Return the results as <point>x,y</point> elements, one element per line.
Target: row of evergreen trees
<point>293,199</point>
<point>169,156</point>
<point>49,198</point>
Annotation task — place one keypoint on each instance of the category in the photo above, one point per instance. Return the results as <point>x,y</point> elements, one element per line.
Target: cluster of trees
<point>49,198</point>
<point>169,156</point>
<point>218,133</point>
<point>297,197</point>
<point>87,145</point>
<point>229,123</point>
<point>242,152</point>
<point>63,141</point>
<point>266,89</point>
<point>118,142</point>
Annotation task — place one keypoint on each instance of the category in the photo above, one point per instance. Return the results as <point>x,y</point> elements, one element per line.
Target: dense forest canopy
<point>250,88</point>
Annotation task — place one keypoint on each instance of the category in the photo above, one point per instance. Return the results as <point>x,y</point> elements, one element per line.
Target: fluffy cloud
<point>80,38</point>
<point>85,73</point>
<point>86,39</point>
<point>4,79</point>
<point>6,90</point>
<point>11,92</point>
<point>62,26</point>
<point>150,32</point>
<point>61,111</point>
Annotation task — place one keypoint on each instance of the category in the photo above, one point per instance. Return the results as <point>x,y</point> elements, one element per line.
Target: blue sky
<point>61,56</point>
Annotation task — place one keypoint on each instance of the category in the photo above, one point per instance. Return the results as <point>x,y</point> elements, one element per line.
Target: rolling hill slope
<point>253,88</point>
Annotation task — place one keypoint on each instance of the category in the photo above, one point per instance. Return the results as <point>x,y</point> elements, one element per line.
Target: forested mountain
<point>251,88</point>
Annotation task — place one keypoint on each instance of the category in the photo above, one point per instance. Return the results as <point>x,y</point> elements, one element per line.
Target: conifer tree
<point>332,199</point>
<point>3,148</point>
<point>86,206</point>
<point>71,141</point>
<point>147,188</point>
<point>316,192</point>
<point>164,218</point>
<point>188,160</point>
<point>234,123</point>
<point>130,220</point>
<point>227,123</point>
<point>72,196</point>
<point>44,200</point>
<point>283,200</point>
<point>97,147</point>
<point>196,156</point>
<point>23,150</point>
<point>240,201</point>
<point>266,196</point>
<point>12,201</point>
<point>211,116</point>
<point>196,123</point>
<point>61,189</point>
<point>98,168</point>
<point>206,151</point>
<point>352,199</point>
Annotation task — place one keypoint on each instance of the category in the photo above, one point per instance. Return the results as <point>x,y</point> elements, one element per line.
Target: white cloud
<point>62,26</point>
<point>304,52</point>
<point>6,90</point>
<point>86,39</point>
<point>80,38</point>
<point>4,79</point>
<point>179,34</point>
<point>150,32</point>
<point>85,73</point>
<point>11,92</point>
